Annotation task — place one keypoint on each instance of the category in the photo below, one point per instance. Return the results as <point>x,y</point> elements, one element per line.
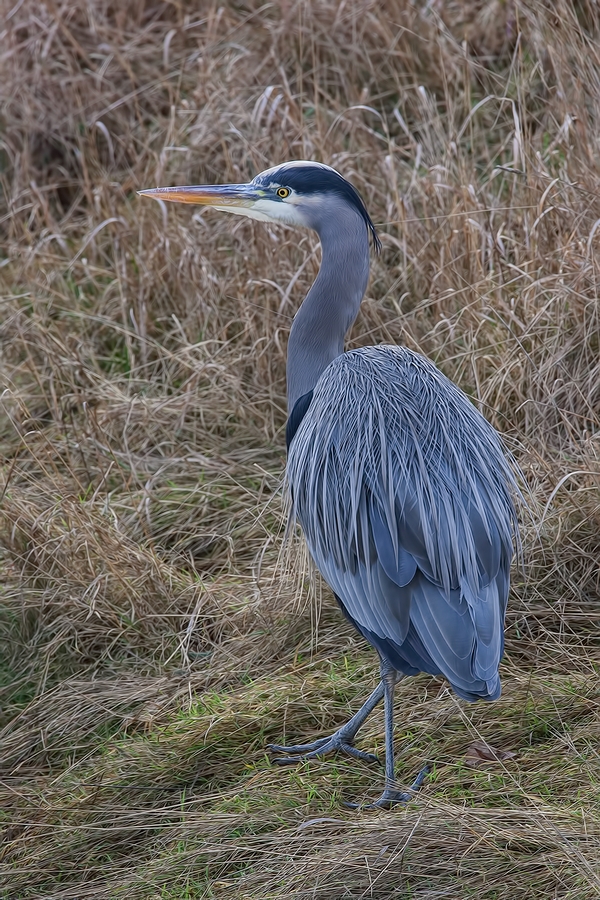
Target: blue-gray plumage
<point>400,485</point>
<point>403,493</point>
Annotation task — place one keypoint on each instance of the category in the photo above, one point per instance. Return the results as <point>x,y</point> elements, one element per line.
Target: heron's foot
<point>392,797</point>
<point>340,741</point>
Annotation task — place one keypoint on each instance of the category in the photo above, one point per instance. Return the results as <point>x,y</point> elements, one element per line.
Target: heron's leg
<point>340,740</point>
<point>391,795</point>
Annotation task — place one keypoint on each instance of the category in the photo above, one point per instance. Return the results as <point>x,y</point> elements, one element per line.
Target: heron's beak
<point>228,197</point>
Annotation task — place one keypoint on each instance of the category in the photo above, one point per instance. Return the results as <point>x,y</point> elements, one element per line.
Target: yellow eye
<point>283,193</point>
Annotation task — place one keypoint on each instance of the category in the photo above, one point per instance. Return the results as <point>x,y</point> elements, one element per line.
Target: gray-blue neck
<point>332,304</point>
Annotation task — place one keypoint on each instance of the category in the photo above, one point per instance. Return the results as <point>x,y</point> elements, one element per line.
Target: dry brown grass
<point>153,634</point>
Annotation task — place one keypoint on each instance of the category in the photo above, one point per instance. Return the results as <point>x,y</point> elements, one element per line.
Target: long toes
<point>392,797</point>
<point>359,754</point>
<point>319,748</point>
<point>285,761</point>
<point>420,778</point>
<point>298,748</point>
<point>387,800</point>
<point>294,760</point>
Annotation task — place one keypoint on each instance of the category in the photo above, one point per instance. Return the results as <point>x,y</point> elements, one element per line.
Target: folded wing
<point>404,495</point>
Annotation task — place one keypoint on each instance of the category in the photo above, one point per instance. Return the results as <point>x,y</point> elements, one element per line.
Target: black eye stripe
<point>310,179</point>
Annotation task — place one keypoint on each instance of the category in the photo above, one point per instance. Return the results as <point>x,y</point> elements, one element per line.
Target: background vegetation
<point>154,634</point>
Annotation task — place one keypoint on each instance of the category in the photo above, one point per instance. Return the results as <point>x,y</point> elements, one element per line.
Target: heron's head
<point>294,193</point>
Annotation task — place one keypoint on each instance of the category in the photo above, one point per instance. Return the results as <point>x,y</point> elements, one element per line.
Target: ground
<point>157,630</point>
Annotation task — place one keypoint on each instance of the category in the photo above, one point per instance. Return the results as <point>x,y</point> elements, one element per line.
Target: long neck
<point>332,304</point>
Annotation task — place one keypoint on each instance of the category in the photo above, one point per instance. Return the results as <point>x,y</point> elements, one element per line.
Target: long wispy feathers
<point>405,497</point>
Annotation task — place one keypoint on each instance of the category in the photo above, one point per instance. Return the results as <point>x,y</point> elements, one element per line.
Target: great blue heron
<point>400,485</point>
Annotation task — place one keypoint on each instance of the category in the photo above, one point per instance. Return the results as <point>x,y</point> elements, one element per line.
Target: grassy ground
<point>155,633</point>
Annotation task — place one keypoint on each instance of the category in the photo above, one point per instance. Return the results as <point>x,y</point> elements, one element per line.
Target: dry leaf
<point>480,755</point>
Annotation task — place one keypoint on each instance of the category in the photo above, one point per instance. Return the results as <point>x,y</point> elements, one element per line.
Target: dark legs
<point>343,738</point>
<point>391,795</point>
<point>340,740</point>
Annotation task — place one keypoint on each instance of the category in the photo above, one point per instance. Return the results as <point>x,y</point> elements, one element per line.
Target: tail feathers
<point>415,654</point>
<point>463,640</point>
<point>491,691</point>
<point>487,619</point>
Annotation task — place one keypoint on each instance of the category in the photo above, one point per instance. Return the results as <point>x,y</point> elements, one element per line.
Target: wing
<point>411,527</point>
<point>393,599</point>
